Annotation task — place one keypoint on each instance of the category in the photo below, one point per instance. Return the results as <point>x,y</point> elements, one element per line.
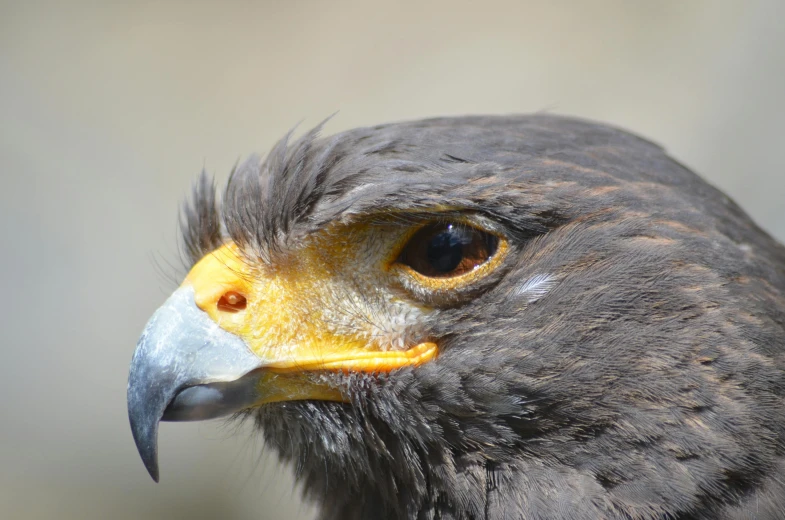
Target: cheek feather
<point>534,288</point>
<point>400,327</point>
<point>383,321</point>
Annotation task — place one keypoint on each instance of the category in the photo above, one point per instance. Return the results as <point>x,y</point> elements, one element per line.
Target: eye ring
<point>447,250</point>
<point>448,255</point>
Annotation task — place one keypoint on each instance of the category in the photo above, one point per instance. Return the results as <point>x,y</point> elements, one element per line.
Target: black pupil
<point>445,249</point>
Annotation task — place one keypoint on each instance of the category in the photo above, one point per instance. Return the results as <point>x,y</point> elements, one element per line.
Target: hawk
<point>508,317</point>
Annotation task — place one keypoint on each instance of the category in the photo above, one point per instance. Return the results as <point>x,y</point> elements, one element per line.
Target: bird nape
<point>527,317</point>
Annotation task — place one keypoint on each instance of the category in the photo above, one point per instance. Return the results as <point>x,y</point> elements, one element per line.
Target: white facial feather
<point>535,287</point>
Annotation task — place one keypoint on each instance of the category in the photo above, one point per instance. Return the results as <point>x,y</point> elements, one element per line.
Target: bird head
<point>460,316</point>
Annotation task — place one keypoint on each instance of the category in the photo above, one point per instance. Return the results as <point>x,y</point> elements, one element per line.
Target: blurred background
<point>108,110</point>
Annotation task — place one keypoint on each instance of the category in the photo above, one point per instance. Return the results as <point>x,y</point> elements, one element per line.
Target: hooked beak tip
<point>145,435</point>
<point>152,468</point>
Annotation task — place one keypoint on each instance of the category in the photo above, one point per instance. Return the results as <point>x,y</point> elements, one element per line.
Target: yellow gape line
<point>364,361</point>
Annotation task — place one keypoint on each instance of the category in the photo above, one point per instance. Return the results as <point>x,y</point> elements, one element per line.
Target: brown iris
<point>445,250</point>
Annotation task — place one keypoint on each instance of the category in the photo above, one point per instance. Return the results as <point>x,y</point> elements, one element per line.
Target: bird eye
<point>447,250</point>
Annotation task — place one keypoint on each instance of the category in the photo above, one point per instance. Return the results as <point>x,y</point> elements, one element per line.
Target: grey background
<point>108,111</point>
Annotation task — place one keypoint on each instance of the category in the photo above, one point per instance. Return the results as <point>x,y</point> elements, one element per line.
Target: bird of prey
<point>508,317</point>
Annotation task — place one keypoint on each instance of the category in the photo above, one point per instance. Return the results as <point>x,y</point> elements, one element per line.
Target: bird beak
<point>181,370</point>
<point>200,357</point>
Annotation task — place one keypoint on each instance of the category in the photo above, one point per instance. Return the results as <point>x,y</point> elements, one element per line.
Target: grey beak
<point>185,368</point>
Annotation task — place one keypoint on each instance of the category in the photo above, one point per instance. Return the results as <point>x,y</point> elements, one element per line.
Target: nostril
<point>232,301</point>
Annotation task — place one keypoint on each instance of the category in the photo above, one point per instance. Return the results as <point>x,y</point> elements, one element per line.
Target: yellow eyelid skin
<point>443,284</point>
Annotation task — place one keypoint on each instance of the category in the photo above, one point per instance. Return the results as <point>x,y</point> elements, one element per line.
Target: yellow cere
<point>320,307</point>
